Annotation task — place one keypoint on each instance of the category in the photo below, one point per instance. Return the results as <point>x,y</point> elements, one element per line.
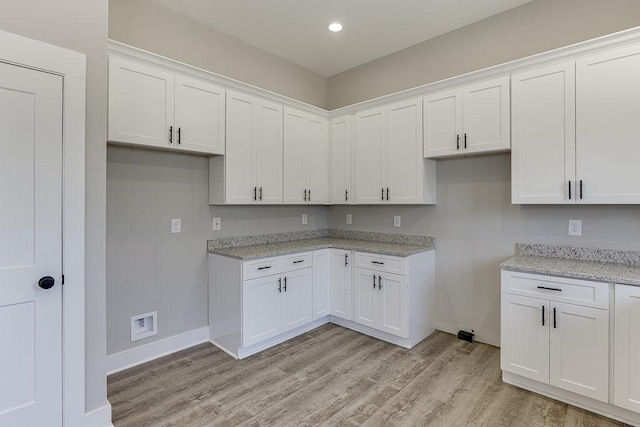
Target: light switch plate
<point>575,227</point>
<point>176,225</point>
<point>304,218</point>
<point>397,221</point>
<point>349,219</point>
<point>217,224</point>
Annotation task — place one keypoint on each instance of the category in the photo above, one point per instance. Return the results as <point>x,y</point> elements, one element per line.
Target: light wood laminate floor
<point>334,376</point>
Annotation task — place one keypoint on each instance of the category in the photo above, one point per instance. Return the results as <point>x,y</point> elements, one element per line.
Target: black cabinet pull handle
<point>569,189</point>
<point>550,289</point>
<point>46,282</point>
<point>298,261</point>
<point>255,193</point>
<point>382,195</point>
<point>374,281</point>
<point>580,189</point>
<point>260,193</point>
<point>346,260</point>
<point>170,134</point>
<point>264,268</point>
<point>377,262</point>
<point>465,141</point>
<point>179,131</point>
<point>309,193</point>
<point>457,141</point>
<point>280,285</point>
<point>305,194</point>
<point>346,195</point>
<point>285,284</point>
<point>543,315</point>
<point>555,324</point>
<point>379,282</point>
<point>387,193</point>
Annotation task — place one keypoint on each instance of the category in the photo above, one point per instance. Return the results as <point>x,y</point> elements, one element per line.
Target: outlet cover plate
<point>304,218</point>
<point>144,325</point>
<point>397,221</point>
<point>217,224</point>
<point>575,227</point>
<point>349,219</point>
<point>176,225</point>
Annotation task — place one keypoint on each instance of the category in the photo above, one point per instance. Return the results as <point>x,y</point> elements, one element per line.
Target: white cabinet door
<point>140,104</point>
<point>370,154</point>
<point>295,187</point>
<point>321,283</point>
<point>199,116</point>
<point>579,350</point>
<point>524,342</point>
<point>607,111</point>
<point>316,160</point>
<point>404,159</point>
<point>366,297</point>
<point>341,160</point>
<point>268,153</point>
<point>261,309</point>
<point>297,299</point>
<point>239,156</point>
<point>543,148</point>
<point>393,310</point>
<point>340,283</point>
<point>486,117</point>
<point>442,123</point>
<point>627,348</point>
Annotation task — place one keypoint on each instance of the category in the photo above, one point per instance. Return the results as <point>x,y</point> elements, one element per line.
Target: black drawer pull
<point>264,268</point>
<point>543,315</point>
<point>377,262</point>
<point>549,289</point>
<point>298,261</point>
<point>379,282</point>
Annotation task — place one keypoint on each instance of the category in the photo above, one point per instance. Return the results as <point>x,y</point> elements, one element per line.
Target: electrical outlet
<point>176,225</point>
<point>397,221</point>
<point>144,325</point>
<point>575,227</point>
<point>349,219</point>
<point>304,218</point>
<point>217,224</point>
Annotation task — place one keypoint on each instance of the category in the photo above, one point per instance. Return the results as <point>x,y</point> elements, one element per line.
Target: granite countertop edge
<point>607,272</point>
<point>253,252</point>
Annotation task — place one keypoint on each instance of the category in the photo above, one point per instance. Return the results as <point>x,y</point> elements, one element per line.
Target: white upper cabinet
<point>306,157</point>
<point>340,167</point>
<point>199,115</point>
<point>251,170</point>
<point>154,108</point>
<point>140,104</point>
<point>543,132</point>
<point>390,168</point>
<point>607,129</point>
<point>471,120</point>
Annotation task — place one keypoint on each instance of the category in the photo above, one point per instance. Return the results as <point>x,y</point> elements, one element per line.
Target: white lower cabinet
<point>261,308</point>
<point>626,388</point>
<point>297,299</point>
<point>381,301</point>
<point>339,282</point>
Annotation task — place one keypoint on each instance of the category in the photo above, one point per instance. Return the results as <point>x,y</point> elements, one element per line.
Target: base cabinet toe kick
<point>257,304</point>
<point>577,341</point>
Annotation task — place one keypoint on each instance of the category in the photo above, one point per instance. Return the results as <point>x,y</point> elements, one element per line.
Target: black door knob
<point>46,282</point>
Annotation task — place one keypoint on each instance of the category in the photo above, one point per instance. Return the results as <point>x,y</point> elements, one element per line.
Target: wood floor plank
<point>333,376</point>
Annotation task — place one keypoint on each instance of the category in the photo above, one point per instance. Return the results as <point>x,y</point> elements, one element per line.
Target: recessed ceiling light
<point>335,27</point>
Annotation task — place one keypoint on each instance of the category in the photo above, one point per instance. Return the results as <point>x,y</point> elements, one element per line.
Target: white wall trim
<point>129,358</point>
<point>71,66</point>
<point>100,417</point>
<point>133,53</point>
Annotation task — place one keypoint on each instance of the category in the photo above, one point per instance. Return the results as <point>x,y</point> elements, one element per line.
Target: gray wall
<point>476,228</point>
<point>81,25</point>
<point>153,27</point>
<point>535,27</point>
<point>150,269</point>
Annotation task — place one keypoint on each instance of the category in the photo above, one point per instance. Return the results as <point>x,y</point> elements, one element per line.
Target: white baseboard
<point>129,358</point>
<point>100,417</point>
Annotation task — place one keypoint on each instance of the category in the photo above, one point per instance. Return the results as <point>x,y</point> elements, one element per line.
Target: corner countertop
<point>251,252</point>
<point>600,265</point>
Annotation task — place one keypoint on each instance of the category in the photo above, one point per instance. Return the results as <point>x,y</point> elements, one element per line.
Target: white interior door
<point>341,160</point>
<point>442,123</point>
<point>579,350</point>
<point>627,348</point>
<point>486,116</point>
<point>199,116</point>
<point>30,247</point>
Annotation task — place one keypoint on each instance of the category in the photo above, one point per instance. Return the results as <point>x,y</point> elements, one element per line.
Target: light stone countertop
<point>608,272</point>
<point>252,252</point>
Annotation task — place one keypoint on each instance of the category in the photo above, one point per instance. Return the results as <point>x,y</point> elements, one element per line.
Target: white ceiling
<point>297,29</point>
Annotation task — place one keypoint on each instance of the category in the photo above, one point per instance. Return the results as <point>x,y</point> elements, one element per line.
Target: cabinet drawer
<point>260,268</point>
<point>384,263</point>
<point>295,261</point>
<point>572,291</point>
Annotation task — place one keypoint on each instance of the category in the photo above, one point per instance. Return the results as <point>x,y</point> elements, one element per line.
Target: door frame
<point>71,66</point>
